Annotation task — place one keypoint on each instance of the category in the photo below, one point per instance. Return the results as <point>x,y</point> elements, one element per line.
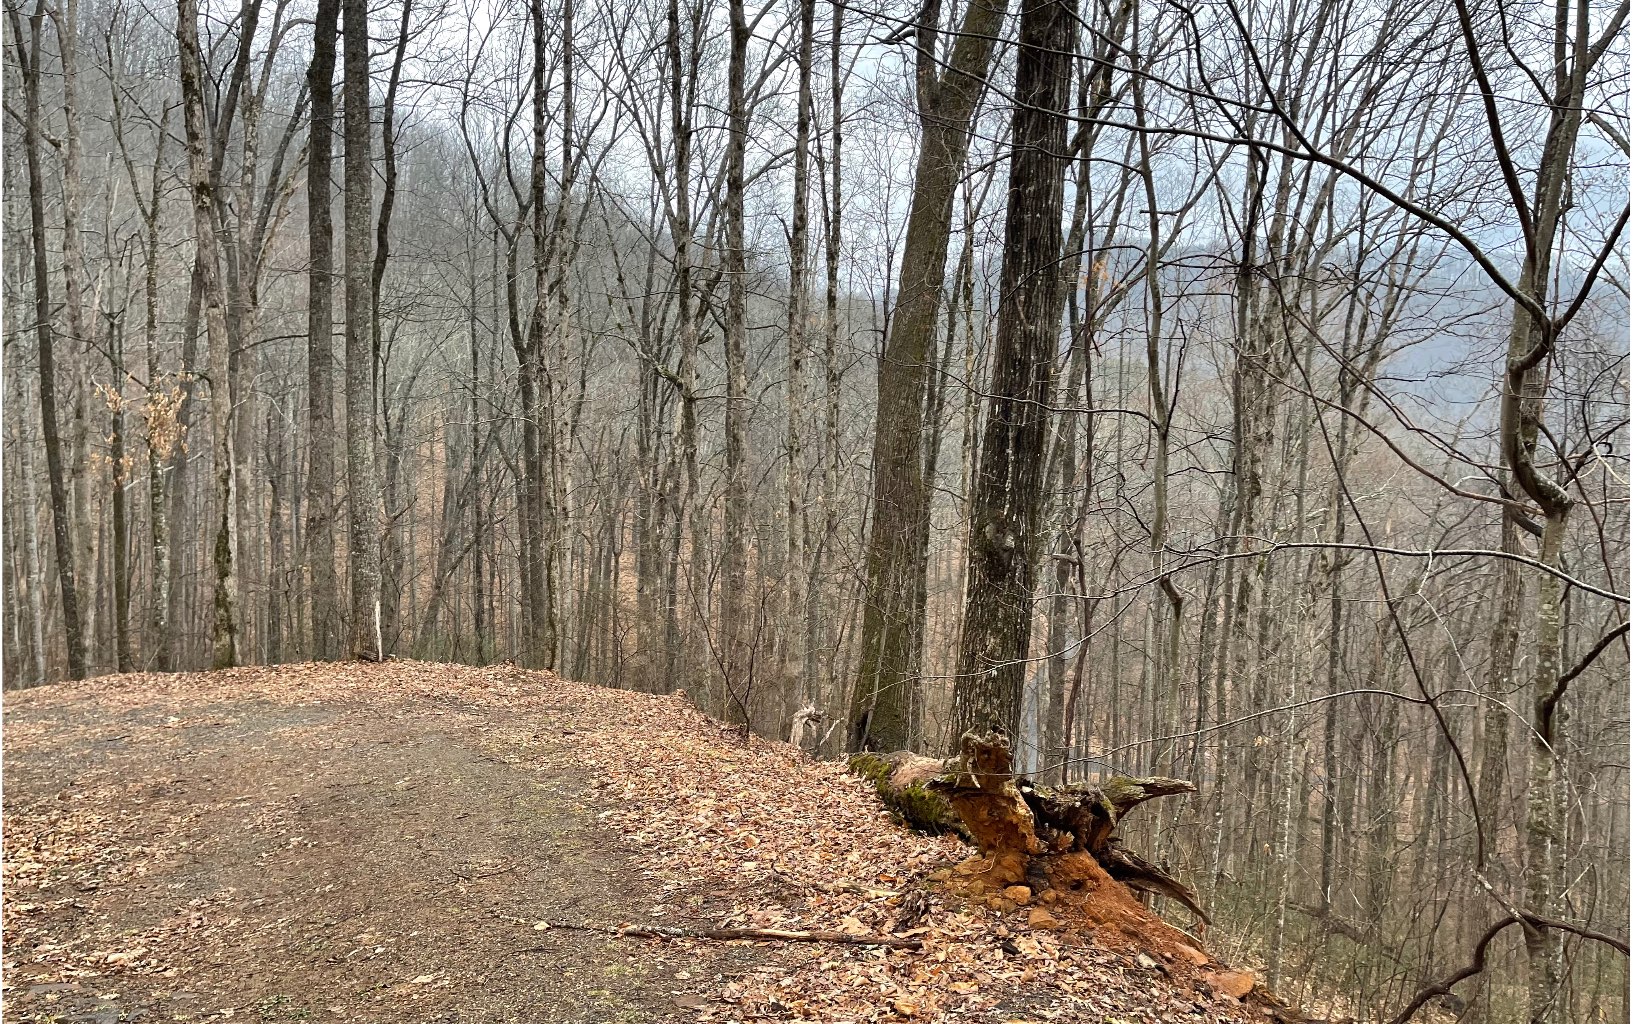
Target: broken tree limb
<point>1477,962</point>
<point>1015,822</point>
<point>737,934</point>
<point>834,887</point>
<point>1137,873</point>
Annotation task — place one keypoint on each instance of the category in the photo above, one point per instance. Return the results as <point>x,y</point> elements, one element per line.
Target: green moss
<point>874,768</point>
<point>918,807</point>
<point>923,810</point>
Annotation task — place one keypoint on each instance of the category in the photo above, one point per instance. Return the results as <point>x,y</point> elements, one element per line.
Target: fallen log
<point>1019,826</point>
<point>902,779</point>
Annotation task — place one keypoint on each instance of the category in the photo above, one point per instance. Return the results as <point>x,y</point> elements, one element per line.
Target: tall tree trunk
<point>363,495</point>
<point>797,346</point>
<point>390,455</point>
<point>880,712</point>
<point>203,184</point>
<point>541,639</point>
<point>163,432</point>
<point>565,410</point>
<point>320,535</point>
<point>29,63</point>
<point>1004,539</point>
<point>832,452</point>
<point>75,314</point>
<point>685,516</point>
<point>119,556</point>
<point>735,412</point>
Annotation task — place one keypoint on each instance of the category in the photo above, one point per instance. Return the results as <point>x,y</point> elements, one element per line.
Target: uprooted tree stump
<point>1055,850</point>
<point>1057,841</point>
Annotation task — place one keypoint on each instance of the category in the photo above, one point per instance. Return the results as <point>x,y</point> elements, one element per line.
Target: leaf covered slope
<point>667,819</point>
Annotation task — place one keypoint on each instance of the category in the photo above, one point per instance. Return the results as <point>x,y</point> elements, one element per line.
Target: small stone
<point>1192,954</point>
<point>999,904</point>
<point>1048,896</point>
<point>942,875</point>
<point>1235,984</point>
<point>1042,920</point>
<point>1019,894</point>
<point>1146,962</point>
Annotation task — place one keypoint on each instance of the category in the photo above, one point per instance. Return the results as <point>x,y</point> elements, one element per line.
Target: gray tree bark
<point>880,711</point>
<point>320,535</point>
<point>363,495</point>
<point>1004,536</point>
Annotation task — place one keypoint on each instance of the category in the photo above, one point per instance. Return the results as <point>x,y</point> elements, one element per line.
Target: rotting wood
<point>1017,823</point>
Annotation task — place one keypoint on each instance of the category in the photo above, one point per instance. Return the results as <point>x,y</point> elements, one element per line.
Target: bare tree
<point>363,491</point>
<point>1004,527</point>
<point>896,559</point>
<point>320,529</point>
<point>28,60</point>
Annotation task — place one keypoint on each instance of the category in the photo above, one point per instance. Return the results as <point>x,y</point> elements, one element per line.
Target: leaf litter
<point>719,831</point>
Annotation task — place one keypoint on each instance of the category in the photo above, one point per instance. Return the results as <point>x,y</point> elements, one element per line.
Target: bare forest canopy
<point>1233,392</point>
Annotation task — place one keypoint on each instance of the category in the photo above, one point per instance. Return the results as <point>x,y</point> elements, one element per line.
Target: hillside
<point>421,842</point>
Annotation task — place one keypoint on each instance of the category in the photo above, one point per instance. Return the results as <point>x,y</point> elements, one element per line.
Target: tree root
<point>1013,821</point>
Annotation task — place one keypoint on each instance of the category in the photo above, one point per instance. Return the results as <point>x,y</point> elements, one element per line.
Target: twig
<point>733,934</point>
<point>834,887</point>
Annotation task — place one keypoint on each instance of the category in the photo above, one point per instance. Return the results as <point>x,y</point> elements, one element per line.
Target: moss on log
<point>901,779</point>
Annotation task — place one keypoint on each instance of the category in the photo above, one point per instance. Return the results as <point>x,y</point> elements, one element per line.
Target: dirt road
<point>271,860</point>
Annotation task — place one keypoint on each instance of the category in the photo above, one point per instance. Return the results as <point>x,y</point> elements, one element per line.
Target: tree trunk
<point>203,183</point>
<point>892,632</point>
<point>123,660</point>
<point>795,631</point>
<point>393,554</point>
<point>321,350</point>
<point>541,636</point>
<point>736,655</point>
<point>685,518</point>
<point>29,62</point>
<point>363,494</point>
<point>1004,542</point>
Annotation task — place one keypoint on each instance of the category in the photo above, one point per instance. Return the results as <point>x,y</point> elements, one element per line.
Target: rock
<point>1042,920</point>
<point>942,875</point>
<point>1019,894</point>
<point>999,904</point>
<point>1146,962</point>
<point>1235,984</point>
<point>1048,896</point>
<point>1188,952</point>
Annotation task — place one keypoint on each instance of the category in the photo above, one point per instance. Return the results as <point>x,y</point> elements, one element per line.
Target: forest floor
<point>402,842</point>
